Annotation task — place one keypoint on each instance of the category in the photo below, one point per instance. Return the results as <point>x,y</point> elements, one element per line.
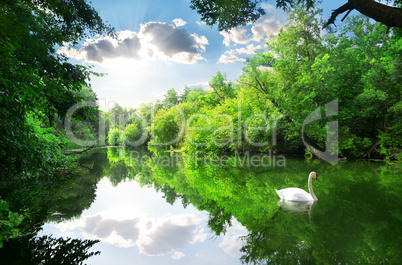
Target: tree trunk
<point>387,15</point>
<point>372,148</point>
<point>79,152</point>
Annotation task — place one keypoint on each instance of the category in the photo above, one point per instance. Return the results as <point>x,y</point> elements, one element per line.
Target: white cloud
<point>201,41</point>
<point>201,23</point>
<point>178,255</point>
<point>153,237</point>
<point>236,35</point>
<point>179,22</point>
<point>231,245</point>
<point>231,241</point>
<point>266,25</point>
<point>231,55</point>
<point>123,233</point>
<point>228,57</point>
<point>154,41</point>
<point>172,234</point>
<point>98,50</point>
<point>204,85</point>
<point>167,41</point>
<point>250,49</point>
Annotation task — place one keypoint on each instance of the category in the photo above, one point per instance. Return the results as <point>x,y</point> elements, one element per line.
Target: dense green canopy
<point>38,85</point>
<point>37,88</point>
<point>302,70</point>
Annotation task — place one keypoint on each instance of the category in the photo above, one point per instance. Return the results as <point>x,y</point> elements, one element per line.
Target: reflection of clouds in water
<point>231,241</point>
<point>172,234</point>
<point>111,230</point>
<point>231,245</point>
<point>153,237</point>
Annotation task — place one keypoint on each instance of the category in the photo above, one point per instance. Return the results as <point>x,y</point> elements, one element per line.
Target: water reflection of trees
<point>356,220</point>
<point>352,224</point>
<point>358,217</point>
<point>57,197</point>
<point>47,250</point>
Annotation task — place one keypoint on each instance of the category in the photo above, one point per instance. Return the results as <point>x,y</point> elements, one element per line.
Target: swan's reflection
<point>298,206</point>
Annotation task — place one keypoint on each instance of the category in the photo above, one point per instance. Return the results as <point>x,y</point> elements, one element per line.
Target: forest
<point>303,68</point>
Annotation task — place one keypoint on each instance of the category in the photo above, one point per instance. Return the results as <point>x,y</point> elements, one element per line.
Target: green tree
<point>184,94</point>
<point>115,136</point>
<point>222,87</point>
<point>118,116</point>
<point>32,201</point>
<point>171,98</point>
<point>166,128</point>
<point>195,95</point>
<point>132,132</point>
<point>48,250</point>
<point>36,81</point>
<point>149,110</point>
<point>9,223</point>
<point>304,69</point>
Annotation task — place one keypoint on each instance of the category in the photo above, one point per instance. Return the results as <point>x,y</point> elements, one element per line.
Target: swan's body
<point>298,206</point>
<point>296,194</point>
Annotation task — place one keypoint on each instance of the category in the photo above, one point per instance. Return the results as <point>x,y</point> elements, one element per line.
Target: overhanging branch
<point>387,15</point>
<point>336,12</point>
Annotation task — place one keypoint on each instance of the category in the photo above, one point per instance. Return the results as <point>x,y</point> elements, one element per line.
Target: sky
<point>164,45</point>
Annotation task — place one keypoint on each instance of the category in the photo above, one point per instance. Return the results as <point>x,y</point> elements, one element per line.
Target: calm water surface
<point>192,211</point>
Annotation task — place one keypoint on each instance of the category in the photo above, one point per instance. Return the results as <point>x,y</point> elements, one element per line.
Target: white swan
<point>296,194</point>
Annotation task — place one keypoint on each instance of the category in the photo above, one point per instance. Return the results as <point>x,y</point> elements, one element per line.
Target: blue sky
<point>164,45</point>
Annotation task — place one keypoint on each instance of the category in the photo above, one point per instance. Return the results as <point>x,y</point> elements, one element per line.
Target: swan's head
<point>314,175</point>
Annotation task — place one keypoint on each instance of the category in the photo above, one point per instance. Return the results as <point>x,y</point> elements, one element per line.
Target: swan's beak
<point>317,179</point>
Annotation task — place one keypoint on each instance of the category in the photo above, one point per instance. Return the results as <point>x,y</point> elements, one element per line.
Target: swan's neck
<point>310,187</point>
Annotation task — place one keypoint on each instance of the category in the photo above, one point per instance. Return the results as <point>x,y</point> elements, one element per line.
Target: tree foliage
<point>227,14</point>
<point>171,98</point>
<point>38,86</point>
<point>285,233</point>
<point>35,81</point>
<point>303,69</point>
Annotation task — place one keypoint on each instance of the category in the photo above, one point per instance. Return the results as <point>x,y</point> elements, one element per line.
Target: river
<point>175,209</point>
